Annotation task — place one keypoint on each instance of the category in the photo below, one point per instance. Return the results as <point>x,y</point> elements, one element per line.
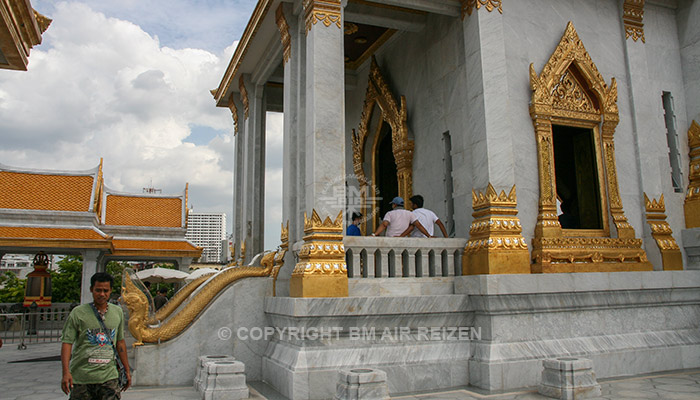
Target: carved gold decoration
<point>490,5</point>
<point>284,32</point>
<point>279,257</point>
<point>671,257</point>
<point>137,303</point>
<point>632,16</point>
<point>243,251</point>
<point>692,196</point>
<point>325,11</point>
<point>42,21</point>
<point>571,91</point>
<point>244,97</point>
<point>234,114</point>
<point>350,28</point>
<point>321,270</point>
<point>496,244</point>
<point>395,114</point>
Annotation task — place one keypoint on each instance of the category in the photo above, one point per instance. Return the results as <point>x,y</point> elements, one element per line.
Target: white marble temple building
<point>554,138</point>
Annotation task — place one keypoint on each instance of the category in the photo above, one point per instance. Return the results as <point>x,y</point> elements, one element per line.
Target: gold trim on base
<point>662,233</point>
<point>321,270</point>
<point>496,244</point>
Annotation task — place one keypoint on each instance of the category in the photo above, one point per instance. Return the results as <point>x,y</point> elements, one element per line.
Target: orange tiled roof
<point>143,211</point>
<point>32,191</point>
<point>162,248</point>
<point>17,232</point>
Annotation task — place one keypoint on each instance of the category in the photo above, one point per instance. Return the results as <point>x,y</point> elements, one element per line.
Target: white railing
<point>388,257</point>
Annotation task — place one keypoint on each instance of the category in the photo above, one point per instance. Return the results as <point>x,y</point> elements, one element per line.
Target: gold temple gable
<point>570,91</point>
<point>393,113</point>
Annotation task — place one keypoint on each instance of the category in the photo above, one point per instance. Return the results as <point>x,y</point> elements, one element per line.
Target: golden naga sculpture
<point>279,257</point>
<point>662,233</point>
<point>138,304</point>
<point>179,297</point>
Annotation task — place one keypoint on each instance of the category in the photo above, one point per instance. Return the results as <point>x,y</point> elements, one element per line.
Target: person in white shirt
<point>426,218</point>
<point>398,222</point>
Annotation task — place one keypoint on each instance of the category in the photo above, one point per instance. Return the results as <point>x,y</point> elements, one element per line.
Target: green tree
<point>116,269</point>
<point>65,282</point>
<point>11,288</point>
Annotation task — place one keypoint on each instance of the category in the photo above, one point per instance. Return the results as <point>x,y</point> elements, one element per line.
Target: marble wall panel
<point>429,71</point>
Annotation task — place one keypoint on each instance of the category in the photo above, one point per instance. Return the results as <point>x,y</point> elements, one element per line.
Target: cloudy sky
<point>129,81</point>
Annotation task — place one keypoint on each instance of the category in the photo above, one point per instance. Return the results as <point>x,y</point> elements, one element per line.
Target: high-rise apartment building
<point>208,230</point>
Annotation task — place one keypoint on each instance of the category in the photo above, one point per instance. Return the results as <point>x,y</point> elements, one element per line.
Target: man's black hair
<point>101,277</point>
<point>163,290</point>
<point>356,215</point>
<point>417,201</point>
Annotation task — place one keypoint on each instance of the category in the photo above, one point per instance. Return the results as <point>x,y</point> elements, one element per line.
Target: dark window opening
<point>576,175</point>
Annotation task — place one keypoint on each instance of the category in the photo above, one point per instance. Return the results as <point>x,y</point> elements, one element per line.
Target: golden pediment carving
<point>571,57</point>
<point>569,95</point>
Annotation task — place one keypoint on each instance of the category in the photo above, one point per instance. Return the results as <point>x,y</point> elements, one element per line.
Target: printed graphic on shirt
<point>101,351</point>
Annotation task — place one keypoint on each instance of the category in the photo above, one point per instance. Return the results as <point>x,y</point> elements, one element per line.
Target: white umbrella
<point>199,273</point>
<point>161,275</point>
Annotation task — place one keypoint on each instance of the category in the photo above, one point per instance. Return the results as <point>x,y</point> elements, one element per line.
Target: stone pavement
<point>40,380</point>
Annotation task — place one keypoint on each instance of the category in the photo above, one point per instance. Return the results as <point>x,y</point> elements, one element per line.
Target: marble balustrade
<point>390,257</point>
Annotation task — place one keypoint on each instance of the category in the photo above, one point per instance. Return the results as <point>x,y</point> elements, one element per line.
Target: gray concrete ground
<point>40,380</point>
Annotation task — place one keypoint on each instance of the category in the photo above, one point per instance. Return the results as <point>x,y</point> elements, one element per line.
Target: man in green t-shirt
<point>92,373</point>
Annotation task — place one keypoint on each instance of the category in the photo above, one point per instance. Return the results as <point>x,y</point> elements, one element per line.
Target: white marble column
<point>290,172</point>
<point>238,169</point>
<point>653,175</point>
<point>488,112</point>
<point>254,170</point>
<point>90,259</point>
<point>258,201</point>
<point>687,16</point>
<point>325,117</point>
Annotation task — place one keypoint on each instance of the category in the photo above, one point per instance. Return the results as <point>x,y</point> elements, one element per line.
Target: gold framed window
<point>574,113</point>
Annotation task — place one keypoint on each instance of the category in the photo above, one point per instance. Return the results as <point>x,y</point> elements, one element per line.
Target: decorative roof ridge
<point>37,171</point>
<point>112,192</point>
<point>150,238</point>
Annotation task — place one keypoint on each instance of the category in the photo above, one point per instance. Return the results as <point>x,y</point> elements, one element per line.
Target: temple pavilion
<point>72,212</point>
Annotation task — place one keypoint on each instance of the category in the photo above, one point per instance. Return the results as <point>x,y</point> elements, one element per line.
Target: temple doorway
<point>386,179</point>
<point>577,182</point>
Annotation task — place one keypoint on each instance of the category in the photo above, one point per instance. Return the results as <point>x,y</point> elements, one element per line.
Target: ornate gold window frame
<point>571,92</point>
<point>395,114</point>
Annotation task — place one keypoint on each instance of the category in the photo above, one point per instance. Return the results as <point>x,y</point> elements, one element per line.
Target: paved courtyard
<point>40,380</point>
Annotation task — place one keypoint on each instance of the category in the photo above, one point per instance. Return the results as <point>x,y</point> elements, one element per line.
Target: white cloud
<point>102,87</point>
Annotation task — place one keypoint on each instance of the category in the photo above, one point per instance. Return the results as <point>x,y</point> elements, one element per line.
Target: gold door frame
<point>570,91</point>
<point>395,114</point>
